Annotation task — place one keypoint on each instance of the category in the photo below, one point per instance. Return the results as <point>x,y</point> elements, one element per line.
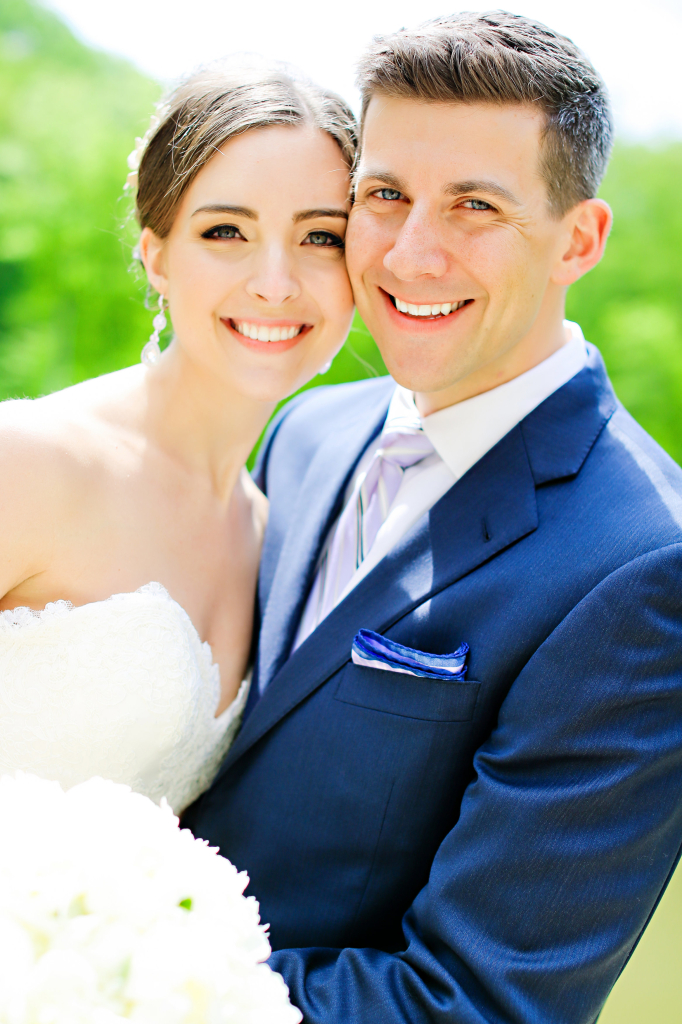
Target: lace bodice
<point>122,688</point>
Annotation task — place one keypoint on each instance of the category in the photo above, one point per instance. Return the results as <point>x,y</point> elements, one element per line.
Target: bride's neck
<point>200,421</point>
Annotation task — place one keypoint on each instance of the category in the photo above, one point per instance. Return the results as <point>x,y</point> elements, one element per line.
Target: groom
<point>430,846</point>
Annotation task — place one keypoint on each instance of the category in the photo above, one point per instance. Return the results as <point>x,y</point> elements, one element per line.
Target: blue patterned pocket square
<point>375,651</point>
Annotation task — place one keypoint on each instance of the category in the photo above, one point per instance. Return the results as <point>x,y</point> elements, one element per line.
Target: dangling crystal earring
<point>325,368</point>
<point>151,353</point>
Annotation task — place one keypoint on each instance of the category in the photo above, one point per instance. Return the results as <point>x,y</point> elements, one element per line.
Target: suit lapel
<point>318,504</point>
<point>491,507</point>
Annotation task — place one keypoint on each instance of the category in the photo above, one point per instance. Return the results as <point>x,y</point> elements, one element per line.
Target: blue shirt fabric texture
<point>486,850</point>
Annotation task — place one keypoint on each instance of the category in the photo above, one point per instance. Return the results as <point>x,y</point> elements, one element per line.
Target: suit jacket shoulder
<point>304,423</point>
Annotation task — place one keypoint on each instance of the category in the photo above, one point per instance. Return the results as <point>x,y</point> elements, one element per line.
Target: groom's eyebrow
<point>491,188</point>
<point>239,211</point>
<point>312,214</point>
<point>385,177</point>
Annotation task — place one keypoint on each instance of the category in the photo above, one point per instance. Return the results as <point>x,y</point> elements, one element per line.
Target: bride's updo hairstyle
<point>213,106</point>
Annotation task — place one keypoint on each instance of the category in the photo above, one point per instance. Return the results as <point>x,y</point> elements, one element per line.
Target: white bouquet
<point>109,913</point>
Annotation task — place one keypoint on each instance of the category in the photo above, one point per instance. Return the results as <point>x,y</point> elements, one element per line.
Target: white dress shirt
<point>461,435</point>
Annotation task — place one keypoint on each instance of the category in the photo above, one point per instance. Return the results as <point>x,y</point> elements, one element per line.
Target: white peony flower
<point>110,913</point>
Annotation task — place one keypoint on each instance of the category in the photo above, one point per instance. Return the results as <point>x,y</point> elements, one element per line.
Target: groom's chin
<point>426,365</point>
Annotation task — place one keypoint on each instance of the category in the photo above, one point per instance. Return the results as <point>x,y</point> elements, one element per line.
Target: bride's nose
<point>273,278</point>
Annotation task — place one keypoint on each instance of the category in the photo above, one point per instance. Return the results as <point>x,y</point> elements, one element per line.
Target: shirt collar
<point>464,432</point>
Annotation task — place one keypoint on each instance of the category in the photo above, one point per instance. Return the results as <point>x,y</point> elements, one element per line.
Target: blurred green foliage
<point>631,304</point>
<point>71,306</point>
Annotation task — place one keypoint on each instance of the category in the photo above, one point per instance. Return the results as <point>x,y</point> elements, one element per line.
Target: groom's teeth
<point>259,332</point>
<point>440,309</point>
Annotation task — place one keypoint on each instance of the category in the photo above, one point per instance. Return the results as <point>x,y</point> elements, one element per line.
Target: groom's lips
<point>429,321</point>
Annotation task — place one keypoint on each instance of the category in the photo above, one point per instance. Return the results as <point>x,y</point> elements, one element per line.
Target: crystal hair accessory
<point>151,353</point>
<point>135,158</point>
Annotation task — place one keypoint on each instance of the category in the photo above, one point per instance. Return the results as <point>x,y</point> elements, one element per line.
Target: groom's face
<point>452,247</point>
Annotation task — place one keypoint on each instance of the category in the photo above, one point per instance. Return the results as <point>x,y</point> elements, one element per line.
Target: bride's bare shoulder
<point>43,459</point>
<point>63,430</point>
<point>51,449</point>
<point>38,435</point>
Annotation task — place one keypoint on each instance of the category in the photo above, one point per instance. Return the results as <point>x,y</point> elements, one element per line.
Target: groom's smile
<point>457,261</point>
<point>427,311</point>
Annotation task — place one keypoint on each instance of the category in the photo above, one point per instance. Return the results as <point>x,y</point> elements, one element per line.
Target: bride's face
<point>253,267</point>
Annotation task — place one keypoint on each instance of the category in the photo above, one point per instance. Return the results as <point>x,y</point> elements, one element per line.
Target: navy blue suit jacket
<point>485,851</point>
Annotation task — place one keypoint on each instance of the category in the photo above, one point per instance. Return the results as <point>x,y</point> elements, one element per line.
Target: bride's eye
<point>223,231</point>
<point>324,239</point>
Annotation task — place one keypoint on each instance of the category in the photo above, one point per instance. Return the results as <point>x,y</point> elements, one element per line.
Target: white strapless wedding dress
<point>122,688</point>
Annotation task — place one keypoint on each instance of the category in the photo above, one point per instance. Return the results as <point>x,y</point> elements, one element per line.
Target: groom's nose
<point>272,277</point>
<point>417,250</point>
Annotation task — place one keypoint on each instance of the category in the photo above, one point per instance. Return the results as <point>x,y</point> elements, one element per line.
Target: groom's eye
<point>223,231</point>
<point>476,204</point>
<point>324,239</point>
<point>390,194</point>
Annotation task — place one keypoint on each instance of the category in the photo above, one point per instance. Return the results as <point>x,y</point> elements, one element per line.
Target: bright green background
<point>71,306</point>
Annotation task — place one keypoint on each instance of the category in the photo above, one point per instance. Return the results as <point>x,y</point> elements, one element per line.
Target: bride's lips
<point>425,322</point>
<point>290,332</point>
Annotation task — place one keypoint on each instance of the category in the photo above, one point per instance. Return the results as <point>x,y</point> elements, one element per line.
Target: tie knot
<point>404,448</point>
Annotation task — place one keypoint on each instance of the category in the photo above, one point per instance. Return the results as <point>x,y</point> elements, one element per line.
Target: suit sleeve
<point>566,838</point>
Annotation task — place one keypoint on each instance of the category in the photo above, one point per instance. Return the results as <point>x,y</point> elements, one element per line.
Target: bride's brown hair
<point>213,106</point>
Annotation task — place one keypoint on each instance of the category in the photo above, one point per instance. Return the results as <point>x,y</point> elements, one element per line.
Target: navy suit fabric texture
<point>487,850</point>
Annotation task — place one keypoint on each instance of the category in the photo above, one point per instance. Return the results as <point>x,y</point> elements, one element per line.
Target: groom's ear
<point>153,255</point>
<point>587,228</point>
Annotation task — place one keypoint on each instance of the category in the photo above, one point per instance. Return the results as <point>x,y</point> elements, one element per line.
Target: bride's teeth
<point>445,308</point>
<point>259,332</point>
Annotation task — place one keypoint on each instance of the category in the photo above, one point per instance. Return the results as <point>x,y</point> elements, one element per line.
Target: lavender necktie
<point>361,519</point>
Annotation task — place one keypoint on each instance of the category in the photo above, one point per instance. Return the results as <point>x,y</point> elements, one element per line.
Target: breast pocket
<point>430,700</point>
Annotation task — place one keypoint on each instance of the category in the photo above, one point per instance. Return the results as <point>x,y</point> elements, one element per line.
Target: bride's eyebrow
<point>239,211</point>
<point>312,214</point>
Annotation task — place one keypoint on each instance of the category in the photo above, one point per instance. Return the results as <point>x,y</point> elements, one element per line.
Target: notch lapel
<point>491,507</point>
<point>318,503</point>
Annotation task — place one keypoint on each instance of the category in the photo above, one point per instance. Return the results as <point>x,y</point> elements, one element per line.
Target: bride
<point>131,529</point>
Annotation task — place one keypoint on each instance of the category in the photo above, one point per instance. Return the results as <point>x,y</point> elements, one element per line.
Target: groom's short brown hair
<point>499,57</point>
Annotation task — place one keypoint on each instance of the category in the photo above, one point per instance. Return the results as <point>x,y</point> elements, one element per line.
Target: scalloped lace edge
<point>24,617</point>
